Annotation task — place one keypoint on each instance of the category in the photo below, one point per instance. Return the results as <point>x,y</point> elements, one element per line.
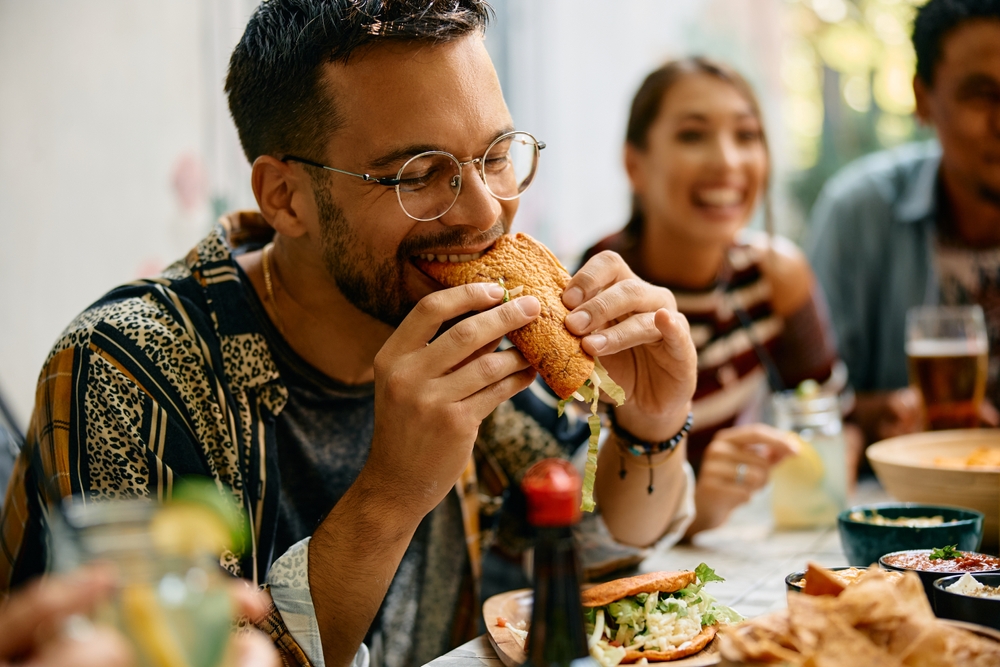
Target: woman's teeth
<point>451,258</point>
<point>719,196</point>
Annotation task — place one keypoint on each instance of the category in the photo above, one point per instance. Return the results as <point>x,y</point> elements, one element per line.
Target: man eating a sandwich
<point>300,357</point>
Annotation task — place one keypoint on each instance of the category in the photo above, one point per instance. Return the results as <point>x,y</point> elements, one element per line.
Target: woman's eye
<point>748,136</point>
<point>690,136</point>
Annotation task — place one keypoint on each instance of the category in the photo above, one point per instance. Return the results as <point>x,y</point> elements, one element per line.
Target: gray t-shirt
<point>324,435</point>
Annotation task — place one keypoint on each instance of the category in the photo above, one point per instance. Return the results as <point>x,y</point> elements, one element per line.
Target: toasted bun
<point>545,342</point>
<point>699,642</point>
<point>654,582</point>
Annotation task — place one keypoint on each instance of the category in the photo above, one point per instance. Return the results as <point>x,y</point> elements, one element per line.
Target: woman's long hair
<point>646,108</point>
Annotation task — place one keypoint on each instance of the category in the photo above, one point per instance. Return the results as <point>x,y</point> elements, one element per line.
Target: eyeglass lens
<point>430,182</point>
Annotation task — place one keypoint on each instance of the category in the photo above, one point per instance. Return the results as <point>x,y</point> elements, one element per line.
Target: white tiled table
<point>747,551</point>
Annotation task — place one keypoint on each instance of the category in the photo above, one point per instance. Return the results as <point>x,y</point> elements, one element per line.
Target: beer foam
<point>944,347</point>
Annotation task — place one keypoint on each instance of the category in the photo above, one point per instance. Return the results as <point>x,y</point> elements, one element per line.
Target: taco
<point>660,616</point>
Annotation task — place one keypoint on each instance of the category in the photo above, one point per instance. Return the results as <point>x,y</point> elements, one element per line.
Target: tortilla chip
<point>654,582</point>
<point>696,644</point>
<point>820,581</point>
<point>546,343</point>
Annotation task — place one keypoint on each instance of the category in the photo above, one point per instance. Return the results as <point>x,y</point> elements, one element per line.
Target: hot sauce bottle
<point>557,637</point>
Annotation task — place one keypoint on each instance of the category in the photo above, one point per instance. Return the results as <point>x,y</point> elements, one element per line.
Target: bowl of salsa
<point>933,564</point>
<point>867,532</point>
<point>974,598</point>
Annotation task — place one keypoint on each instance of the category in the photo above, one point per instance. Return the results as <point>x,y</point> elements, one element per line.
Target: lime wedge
<point>199,519</point>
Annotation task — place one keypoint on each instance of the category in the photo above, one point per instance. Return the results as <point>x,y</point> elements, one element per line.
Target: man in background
<point>919,224</point>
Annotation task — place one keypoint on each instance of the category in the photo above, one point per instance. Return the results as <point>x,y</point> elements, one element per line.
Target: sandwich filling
<point>590,392</point>
<point>655,622</point>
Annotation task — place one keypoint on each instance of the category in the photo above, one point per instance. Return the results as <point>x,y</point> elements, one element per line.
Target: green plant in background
<point>847,70</point>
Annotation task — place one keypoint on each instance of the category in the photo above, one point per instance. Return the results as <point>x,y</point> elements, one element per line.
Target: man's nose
<point>475,206</point>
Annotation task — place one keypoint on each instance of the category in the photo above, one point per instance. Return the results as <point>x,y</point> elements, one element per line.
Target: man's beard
<point>378,287</point>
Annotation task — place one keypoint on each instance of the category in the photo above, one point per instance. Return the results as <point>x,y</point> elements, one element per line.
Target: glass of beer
<point>946,350</point>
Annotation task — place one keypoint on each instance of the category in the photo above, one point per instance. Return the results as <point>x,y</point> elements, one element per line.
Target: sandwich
<point>523,267</point>
<point>660,616</point>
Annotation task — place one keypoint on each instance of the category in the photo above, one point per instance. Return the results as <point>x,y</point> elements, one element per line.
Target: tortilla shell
<point>697,643</point>
<point>545,342</point>
<point>653,582</point>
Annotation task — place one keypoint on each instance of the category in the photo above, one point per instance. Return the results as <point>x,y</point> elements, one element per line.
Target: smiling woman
<point>698,162</point>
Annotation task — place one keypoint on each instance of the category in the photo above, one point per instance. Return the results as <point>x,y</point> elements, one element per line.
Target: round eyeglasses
<point>427,185</point>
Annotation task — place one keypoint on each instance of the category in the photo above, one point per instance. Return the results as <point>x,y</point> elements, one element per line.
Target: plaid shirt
<point>172,376</point>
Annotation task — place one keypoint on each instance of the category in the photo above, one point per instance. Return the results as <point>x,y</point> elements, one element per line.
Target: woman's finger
<point>780,443</point>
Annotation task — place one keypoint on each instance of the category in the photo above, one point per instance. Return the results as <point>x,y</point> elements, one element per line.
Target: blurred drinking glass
<point>173,601</point>
<point>946,348</point>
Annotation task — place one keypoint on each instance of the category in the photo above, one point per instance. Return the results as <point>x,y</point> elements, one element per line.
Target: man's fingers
<point>423,322</point>
<point>43,605</point>
<point>636,330</point>
<point>471,334</point>
<point>603,269</point>
<point>617,301</point>
<point>484,371</point>
<point>485,401</point>
<point>988,414</point>
<point>904,405</point>
<point>484,350</point>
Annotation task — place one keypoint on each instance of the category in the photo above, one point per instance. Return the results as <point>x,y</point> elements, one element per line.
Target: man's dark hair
<point>273,84</point>
<point>939,17</point>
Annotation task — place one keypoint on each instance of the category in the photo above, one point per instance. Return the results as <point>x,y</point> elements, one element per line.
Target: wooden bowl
<point>907,470</point>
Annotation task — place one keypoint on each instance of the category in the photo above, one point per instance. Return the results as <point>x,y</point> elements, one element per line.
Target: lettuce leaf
<point>628,612</point>
<point>590,470</point>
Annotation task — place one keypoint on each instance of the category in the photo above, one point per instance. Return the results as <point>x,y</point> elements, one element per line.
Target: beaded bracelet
<point>638,447</point>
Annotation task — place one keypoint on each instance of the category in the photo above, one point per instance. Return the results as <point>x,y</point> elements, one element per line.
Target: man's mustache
<point>454,237</point>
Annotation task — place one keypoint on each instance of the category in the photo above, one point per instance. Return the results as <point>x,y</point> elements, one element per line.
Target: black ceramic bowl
<point>795,582</point>
<point>927,577</point>
<point>864,543</point>
<point>959,607</point>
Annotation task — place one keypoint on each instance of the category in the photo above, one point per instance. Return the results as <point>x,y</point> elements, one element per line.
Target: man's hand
<point>643,341</point>
<point>431,394</point>
<point>430,397</point>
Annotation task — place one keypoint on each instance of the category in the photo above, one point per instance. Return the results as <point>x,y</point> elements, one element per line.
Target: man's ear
<point>635,168</point>
<point>922,95</point>
<point>282,195</point>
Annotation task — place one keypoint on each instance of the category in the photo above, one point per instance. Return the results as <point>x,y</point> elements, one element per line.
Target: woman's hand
<point>736,464</point>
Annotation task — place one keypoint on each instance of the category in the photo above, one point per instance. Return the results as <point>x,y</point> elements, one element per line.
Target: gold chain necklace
<point>269,286</point>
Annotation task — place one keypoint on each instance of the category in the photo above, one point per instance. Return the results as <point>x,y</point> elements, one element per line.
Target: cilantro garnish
<point>706,574</point>
<point>949,552</point>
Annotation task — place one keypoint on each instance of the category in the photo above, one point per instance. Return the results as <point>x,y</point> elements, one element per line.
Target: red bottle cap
<point>553,489</point>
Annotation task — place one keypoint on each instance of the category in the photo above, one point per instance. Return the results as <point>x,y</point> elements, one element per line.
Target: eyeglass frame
<point>391,182</point>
